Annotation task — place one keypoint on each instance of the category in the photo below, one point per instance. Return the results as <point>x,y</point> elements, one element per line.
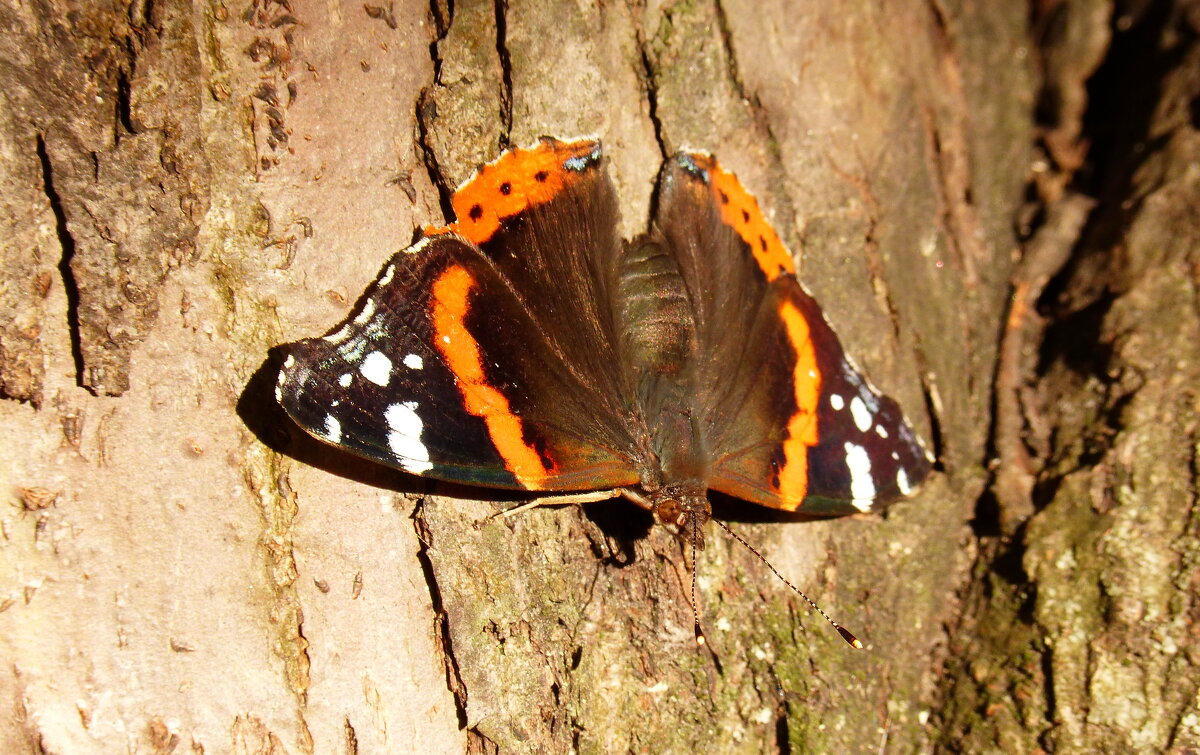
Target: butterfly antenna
<point>700,639</point>
<point>845,633</point>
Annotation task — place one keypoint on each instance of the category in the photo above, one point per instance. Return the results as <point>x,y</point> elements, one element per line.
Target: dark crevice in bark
<point>427,108</point>
<point>479,744</point>
<point>302,645</point>
<point>936,434</point>
<point>783,741</point>
<point>70,285</point>
<point>442,18</point>
<point>426,113</point>
<point>1123,94</point>
<point>1013,440</point>
<point>506,85</point>
<point>149,15</point>
<point>650,85</point>
<point>441,628</point>
<point>123,105</point>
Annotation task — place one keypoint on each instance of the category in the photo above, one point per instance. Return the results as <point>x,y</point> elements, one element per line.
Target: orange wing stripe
<point>461,352</point>
<point>802,425</point>
<point>517,180</point>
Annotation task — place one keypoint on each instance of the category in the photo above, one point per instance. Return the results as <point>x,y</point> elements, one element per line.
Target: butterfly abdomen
<point>658,347</point>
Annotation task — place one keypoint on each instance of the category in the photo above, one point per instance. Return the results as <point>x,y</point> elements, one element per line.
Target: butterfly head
<point>687,511</point>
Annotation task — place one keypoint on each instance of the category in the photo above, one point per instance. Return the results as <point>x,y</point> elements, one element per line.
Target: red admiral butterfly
<point>526,346</point>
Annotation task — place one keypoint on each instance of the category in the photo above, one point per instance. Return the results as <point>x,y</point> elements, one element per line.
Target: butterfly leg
<point>553,500</point>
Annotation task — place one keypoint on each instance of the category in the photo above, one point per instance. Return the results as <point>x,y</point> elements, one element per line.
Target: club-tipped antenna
<point>846,634</point>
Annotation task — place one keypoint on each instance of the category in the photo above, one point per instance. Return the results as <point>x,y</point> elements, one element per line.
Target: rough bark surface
<point>1081,628</point>
<point>1003,242</point>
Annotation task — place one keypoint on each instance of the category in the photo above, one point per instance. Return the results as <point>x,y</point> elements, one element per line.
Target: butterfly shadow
<point>734,510</point>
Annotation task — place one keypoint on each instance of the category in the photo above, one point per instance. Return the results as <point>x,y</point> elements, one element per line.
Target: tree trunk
<point>187,186</point>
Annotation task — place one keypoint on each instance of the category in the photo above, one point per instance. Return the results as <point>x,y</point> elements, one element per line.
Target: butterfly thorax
<point>658,344</point>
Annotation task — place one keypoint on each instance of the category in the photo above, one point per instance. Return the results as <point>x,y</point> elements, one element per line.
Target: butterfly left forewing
<point>441,372</point>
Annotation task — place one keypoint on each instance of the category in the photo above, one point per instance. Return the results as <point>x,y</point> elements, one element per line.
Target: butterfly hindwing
<point>835,445</point>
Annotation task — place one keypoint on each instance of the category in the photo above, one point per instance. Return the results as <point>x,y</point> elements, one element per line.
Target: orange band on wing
<point>461,352</point>
<point>740,211</point>
<point>802,425</point>
<point>517,180</point>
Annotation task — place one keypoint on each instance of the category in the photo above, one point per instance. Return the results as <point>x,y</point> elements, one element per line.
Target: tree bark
<point>189,185</point>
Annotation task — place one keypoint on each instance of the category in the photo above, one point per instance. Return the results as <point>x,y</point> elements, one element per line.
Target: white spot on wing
<point>862,485</point>
<point>862,415</point>
<point>902,481</point>
<point>836,402</point>
<point>881,431</point>
<point>387,275</point>
<point>424,242</point>
<point>414,361</point>
<point>281,379</point>
<point>368,311</point>
<point>377,368</point>
<point>339,335</point>
<point>333,429</point>
<point>346,379</point>
<point>404,437</point>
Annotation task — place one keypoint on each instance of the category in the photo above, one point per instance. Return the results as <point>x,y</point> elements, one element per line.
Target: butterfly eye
<point>669,511</point>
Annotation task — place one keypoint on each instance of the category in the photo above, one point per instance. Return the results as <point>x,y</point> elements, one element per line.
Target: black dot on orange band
<point>506,188</point>
<point>476,212</point>
<point>724,197</point>
<point>745,217</point>
<point>541,176</point>
<point>762,243</point>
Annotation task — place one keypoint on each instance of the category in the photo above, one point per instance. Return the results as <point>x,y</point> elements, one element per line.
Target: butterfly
<point>527,346</point>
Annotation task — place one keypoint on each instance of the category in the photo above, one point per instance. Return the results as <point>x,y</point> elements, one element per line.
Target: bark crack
<point>441,26</point>
<point>933,405</point>
<point>506,85</point>
<point>67,241</point>
<point>650,86</point>
<point>441,624</point>
<point>427,108</point>
<point>426,113</point>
